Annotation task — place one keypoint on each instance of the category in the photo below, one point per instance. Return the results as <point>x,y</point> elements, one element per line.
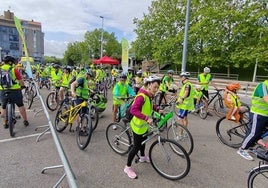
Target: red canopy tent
<point>106,60</point>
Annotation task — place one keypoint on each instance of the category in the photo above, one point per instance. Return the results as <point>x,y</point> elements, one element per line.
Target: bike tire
<point>52,101</point>
<point>118,138</point>
<point>219,107</point>
<point>30,98</point>
<point>84,131</point>
<point>61,119</point>
<point>94,117</point>
<point>10,111</point>
<point>231,133</point>
<point>258,177</point>
<point>168,163</point>
<point>203,113</point>
<point>33,88</point>
<point>186,141</point>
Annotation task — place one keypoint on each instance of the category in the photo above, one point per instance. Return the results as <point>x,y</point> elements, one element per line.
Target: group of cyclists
<point>81,82</point>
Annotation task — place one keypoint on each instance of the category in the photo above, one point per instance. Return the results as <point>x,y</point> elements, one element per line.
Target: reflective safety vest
<point>82,91</point>
<point>66,78</point>
<point>204,80</point>
<point>235,102</point>
<point>140,126</point>
<point>56,77</point>
<point>16,85</point>
<point>188,102</point>
<point>259,106</point>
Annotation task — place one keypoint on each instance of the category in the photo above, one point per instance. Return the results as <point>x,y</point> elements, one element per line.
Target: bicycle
<point>29,92</point>
<point>52,100</point>
<point>218,104</point>
<point>121,112</point>
<point>44,82</point>
<point>66,115</point>
<point>11,118</point>
<point>232,133</point>
<point>169,96</point>
<point>102,89</point>
<point>258,176</point>
<point>164,160</point>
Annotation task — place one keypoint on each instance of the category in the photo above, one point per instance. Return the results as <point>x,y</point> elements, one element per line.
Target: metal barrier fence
<point>65,163</point>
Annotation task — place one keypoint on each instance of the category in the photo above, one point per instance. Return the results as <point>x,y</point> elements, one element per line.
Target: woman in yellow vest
<point>258,119</point>
<point>65,81</point>
<point>141,110</point>
<point>185,101</point>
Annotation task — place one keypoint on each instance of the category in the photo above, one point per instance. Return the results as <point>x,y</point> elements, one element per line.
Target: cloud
<point>65,21</point>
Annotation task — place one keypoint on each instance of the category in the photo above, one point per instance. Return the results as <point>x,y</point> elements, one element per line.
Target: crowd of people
<point>143,85</point>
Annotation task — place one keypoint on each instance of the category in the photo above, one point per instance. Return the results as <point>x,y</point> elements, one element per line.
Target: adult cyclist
<point>166,85</point>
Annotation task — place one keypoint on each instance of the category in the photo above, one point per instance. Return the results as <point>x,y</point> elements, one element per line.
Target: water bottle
<point>164,118</point>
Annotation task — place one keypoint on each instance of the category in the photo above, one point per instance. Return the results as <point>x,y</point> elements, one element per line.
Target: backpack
<point>6,78</point>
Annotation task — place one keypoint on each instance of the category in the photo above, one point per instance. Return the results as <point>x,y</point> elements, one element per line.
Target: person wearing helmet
<point>80,90</point>
<point>138,81</point>
<point>120,90</point>
<point>65,80</point>
<point>185,100</point>
<point>130,73</point>
<point>142,111</point>
<point>205,79</point>
<point>56,74</point>
<point>258,119</point>
<point>166,85</point>
<point>198,96</point>
<point>42,76</point>
<point>114,73</point>
<point>14,89</point>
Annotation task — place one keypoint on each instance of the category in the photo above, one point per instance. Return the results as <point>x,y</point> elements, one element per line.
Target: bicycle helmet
<point>90,73</point>
<point>139,72</point>
<point>152,78</point>
<point>233,86</point>
<point>8,59</point>
<point>68,68</point>
<point>185,74</point>
<point>123,76</point>
<point>206,70</point>
<point>170,71</point>
<point>56,66</point>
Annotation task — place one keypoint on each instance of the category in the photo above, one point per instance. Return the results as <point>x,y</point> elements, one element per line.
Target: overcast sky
<point>66,21</point>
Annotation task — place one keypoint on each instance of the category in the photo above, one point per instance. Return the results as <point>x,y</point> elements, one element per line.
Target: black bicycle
<point>10,114</point>
<point>258,176</point>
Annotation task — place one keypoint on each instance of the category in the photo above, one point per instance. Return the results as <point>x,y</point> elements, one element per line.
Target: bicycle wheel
<point>52,101</point>
<point>33,88</point>
<point>202,112</point>
<point>84,131</point>
<point>118,138</point>
<point>94,117</point>
<point>231,133</point>
<point>10,112</point>
<point>219,108</point>
<point>61,119</point>
<point>30,97</point>
<point>181,135</point>
<point>168,163</point>
<point>258,177</point>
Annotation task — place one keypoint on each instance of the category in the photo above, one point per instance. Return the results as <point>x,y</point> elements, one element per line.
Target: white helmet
<point>152,78</point>
<point>185,74</point>
<point>206,70</point>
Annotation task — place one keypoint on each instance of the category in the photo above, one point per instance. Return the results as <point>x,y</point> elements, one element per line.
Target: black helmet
<point>68,68</point>
<point>90,73</point>
<point>57,66</point>
<point>170,71</point>
<point>123,76</point>
<point>8,59</point>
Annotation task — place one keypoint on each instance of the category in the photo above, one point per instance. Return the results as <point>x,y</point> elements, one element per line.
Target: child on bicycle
<point>231,101</point>
<point>198,97</point>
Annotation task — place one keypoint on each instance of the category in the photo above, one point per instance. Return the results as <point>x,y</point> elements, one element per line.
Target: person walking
<point>141,110</point>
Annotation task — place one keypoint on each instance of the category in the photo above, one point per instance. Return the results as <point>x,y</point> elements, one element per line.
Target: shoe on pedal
<point>26,123</point>
<point>130,172</point>
<point>144,159</point>
<point>243,153</point>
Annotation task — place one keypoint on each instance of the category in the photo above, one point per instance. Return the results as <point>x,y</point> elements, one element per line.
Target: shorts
<point>205,93</point>
<point>182,113</point>
<point>84,110</point>
<point>15,97</point>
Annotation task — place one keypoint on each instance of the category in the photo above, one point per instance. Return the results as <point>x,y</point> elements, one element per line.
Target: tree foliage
<point>223,33</point>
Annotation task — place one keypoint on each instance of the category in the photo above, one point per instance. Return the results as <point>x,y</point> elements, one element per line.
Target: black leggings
<point>137,146</point>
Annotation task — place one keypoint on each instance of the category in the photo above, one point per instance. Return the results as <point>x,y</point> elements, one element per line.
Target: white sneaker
<point>244,154</point>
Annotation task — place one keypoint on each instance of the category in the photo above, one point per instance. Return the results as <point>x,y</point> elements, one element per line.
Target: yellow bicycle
<point>67,114</point>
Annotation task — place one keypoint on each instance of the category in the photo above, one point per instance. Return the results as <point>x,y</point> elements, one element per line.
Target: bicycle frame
<point>73,111</point>
<point>215,94</point>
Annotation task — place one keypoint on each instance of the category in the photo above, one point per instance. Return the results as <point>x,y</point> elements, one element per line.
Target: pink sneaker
<point>144,159</point>
<point>129,171</point>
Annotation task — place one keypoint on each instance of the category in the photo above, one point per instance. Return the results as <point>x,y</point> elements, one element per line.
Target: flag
<point>21,33</point>
<point>124,62</point>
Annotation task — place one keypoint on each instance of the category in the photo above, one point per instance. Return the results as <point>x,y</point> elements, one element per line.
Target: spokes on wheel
<point>84,132</point>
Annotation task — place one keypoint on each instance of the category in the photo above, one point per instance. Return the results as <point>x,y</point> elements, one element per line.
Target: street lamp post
<point>101,52</point>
